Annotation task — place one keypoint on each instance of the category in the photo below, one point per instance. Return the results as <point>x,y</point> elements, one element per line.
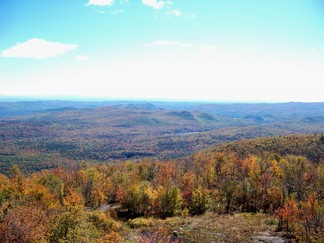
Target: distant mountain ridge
<point>268,112</point>
<point>54,132</point>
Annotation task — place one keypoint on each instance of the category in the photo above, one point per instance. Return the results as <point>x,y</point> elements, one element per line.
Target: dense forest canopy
<point>101,201</point>
<point>136,172</point>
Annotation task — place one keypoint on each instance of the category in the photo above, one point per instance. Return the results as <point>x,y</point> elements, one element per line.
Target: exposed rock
<point>267,238</point>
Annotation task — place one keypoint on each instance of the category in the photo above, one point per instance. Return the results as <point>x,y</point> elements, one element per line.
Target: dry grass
<point>211,227</point>
<point>228,228</point>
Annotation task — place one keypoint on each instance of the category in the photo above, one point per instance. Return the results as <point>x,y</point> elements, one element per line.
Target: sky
<point>210,50</point>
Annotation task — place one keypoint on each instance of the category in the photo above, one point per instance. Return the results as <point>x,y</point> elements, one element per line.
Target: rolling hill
<point>56,132</point>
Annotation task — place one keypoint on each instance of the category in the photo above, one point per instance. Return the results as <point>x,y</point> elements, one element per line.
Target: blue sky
<point>241,50</point>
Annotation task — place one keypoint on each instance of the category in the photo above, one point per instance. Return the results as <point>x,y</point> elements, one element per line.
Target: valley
<point>147,172</point>
<point>60,133</point>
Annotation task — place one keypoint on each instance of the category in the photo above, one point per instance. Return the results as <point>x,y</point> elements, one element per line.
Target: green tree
<point>198,201</point>
<point>170,201</point>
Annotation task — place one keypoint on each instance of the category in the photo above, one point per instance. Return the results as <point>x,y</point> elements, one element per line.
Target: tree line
<point>90,202</point>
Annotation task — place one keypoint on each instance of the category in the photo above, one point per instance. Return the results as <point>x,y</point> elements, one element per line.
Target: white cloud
<point>178,13</point>
<point>154,3</point>
<point>82,58</point>
<point>37,49</point>
<point>174,12</point>
<point>162,43</point>
<point>208,49</point>
<point>186,45</point>
<point>117,12</point>
<point>113,12</point>
<point>169,2</point>
<point>101,2</point>
<point>170,43</point>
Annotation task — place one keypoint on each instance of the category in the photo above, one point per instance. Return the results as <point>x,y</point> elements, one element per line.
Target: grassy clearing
<point>209,227</point>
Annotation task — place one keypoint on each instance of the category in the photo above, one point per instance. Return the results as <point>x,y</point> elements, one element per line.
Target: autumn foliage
<point>89,203</point>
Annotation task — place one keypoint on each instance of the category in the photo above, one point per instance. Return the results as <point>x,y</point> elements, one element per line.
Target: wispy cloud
<point>82,58</point>
<point>208,49</point>
<point>101,2</point>
<point>178,13</point>
<point>113,12</point>
<point>162,43</point>
<point>186,45</point>
<point>37,49</point>
<point>192,16</point>
<point>154,3</point>
<point>117,12</point>
<point>174,12</point>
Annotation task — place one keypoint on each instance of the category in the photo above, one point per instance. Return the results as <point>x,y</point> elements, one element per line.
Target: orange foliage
<point>73,199</point>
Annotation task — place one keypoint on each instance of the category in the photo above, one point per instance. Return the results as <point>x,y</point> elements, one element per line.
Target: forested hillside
<point>146,201</point>
<point>310,146</point>
<point>61,133</point>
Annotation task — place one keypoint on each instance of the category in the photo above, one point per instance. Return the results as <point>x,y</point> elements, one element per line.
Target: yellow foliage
<point>73,199</point>
<point>38,193</point>
<point>254,166</point>
<point>4,182</point>
<point>141,222</point>
<point>275,169</point>
<point>188,181</point>
<point>113,237</point>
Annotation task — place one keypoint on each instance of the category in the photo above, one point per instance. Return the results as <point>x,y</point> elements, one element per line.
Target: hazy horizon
<point>204,51</point>
<point>140,100</point>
